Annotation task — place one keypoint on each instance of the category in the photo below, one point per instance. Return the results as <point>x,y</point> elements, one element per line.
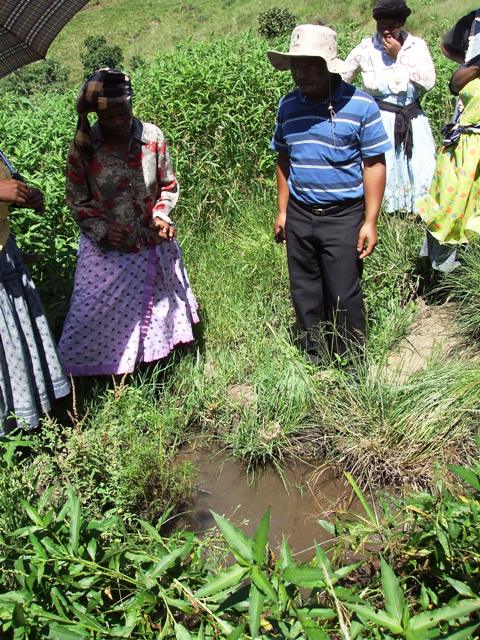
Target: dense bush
<point>65,574</point>
<point>48,75</point>
<point>275,22</point>
<point>99,53</point>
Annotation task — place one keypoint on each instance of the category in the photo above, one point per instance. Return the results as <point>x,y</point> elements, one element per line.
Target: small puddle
<point>297,500</point>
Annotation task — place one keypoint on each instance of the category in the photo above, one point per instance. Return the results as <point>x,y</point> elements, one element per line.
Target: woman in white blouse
<point>396,70</point>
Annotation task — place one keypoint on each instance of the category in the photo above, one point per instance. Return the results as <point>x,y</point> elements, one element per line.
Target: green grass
<point>150,27</point>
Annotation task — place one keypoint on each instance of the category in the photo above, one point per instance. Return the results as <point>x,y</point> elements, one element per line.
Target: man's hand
<point>164,230</point>
<point>391,46</point>
<point>279,228</point>
<point>35,200</point>
<point>14,192</point>
<point>367,240</point>
<point>117,235</point>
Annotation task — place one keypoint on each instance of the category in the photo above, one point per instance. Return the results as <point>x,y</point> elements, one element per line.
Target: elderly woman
<point>396,70</point>
<point>31,377</point>
<point>451,210</point>
<point>131,301</point>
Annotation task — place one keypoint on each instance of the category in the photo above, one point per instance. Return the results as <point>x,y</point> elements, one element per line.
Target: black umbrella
<point>27,28</point>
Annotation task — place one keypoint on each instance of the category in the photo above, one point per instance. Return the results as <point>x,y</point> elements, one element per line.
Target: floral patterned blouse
<point>105,188</point>
<point>400,81</point>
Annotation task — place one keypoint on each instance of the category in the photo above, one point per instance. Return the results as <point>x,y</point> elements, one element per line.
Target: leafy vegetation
<point>275,22</point>
<point>99,53</point>
<point>65,574</point>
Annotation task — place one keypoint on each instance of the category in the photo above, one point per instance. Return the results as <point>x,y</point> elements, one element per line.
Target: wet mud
<point>298,497</point>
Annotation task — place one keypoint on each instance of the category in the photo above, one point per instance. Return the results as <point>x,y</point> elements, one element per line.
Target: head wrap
<point>103,89</point>
<point>391,9</point>
<point>462,37</point>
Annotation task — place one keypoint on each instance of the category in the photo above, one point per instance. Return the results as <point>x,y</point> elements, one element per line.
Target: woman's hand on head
<point>164,230</point>
<point>14,192</point>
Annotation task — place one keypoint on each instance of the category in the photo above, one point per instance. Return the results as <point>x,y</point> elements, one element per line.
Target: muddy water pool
<point>298,497</point>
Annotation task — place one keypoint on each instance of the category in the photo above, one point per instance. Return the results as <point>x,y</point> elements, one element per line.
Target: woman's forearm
<point>462,77</point>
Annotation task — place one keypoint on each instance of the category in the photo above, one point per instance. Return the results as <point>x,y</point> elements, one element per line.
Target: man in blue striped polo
<point>330,178</point>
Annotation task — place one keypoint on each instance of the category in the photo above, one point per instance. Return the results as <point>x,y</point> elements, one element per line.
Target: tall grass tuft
<point>402,433</point>
<point>463,286</point>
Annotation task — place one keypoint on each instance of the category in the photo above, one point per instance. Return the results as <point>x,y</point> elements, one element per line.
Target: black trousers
<point>325,274</point>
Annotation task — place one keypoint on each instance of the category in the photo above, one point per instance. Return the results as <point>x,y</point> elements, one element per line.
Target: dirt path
<point>433,333</point>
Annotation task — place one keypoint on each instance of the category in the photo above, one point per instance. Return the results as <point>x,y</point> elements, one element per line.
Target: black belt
<point>403,122</point>
<point>327,209</point>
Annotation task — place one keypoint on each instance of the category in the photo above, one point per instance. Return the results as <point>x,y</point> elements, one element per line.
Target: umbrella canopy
<point>27,28</point>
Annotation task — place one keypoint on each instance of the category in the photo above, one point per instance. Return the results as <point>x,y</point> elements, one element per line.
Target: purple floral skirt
<point>126,308</point>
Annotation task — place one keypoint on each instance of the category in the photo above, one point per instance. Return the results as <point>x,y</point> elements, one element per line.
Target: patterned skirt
<point>451,210</point>
<point>126,308</point>
<point>31,376</point>
<point>408,179</point>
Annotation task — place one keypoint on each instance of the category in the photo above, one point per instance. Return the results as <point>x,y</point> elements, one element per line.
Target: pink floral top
<point>105,188</point>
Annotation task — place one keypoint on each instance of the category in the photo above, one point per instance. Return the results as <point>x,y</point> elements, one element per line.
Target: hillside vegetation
<point>149,27</point>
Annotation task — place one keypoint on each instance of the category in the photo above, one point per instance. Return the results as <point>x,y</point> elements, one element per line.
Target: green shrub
<point>119,456</point>
<point>275,22</point>
<point>47,75</point>
<point>98,53</point>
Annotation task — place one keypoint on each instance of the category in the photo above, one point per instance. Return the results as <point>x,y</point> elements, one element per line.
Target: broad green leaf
<point>165,563</point>
<point>32,513</point>
<point>237,633</point>
<point>462,588</point>
<point>394,598</point>
<point>463,634</point>
<point>181,605</point>
<point>38,547</point>
<point>240,545</point>
<point>356,629</point>
<point>231,577</point>
<point>260,539</point>
<point>286,558</point>
<point>255,609</point>
<point>152,532</point>
<point>75,520</point>
<point>305,576</point>
<point>263,583</point>
<point>428,619</point>
<point>467,475</point>
<point>181,633</point>
<point>92,548</point>
<point>67,632</point>
<point>18,615</point>
<point>322,561</point>
<point>379,617</point>
<point>318,613</point>
<point>328,526</point>
<point>13,597</point>
<point>344,571</point>
<point>201,632</point>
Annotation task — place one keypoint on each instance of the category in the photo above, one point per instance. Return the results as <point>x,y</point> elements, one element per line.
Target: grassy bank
<point>148,28</point>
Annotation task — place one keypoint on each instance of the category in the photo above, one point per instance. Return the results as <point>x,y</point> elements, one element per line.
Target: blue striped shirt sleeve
<point>373,137</point>
<point>278,141</point>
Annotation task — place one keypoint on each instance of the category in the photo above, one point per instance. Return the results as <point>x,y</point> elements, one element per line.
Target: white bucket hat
<point>311,41</point>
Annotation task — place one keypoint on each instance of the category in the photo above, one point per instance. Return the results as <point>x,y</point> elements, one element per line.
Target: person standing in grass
<point>331,147</point>
<point>132,300</point>
<point>397,70</point>
<point>31,376</point>
<point>451,211</point>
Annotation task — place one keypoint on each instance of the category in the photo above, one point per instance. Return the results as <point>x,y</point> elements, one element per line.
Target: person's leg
<point>341,272</point>
<point>306,284</point>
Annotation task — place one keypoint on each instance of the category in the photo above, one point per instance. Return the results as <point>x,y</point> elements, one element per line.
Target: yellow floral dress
<point>451,210</point>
